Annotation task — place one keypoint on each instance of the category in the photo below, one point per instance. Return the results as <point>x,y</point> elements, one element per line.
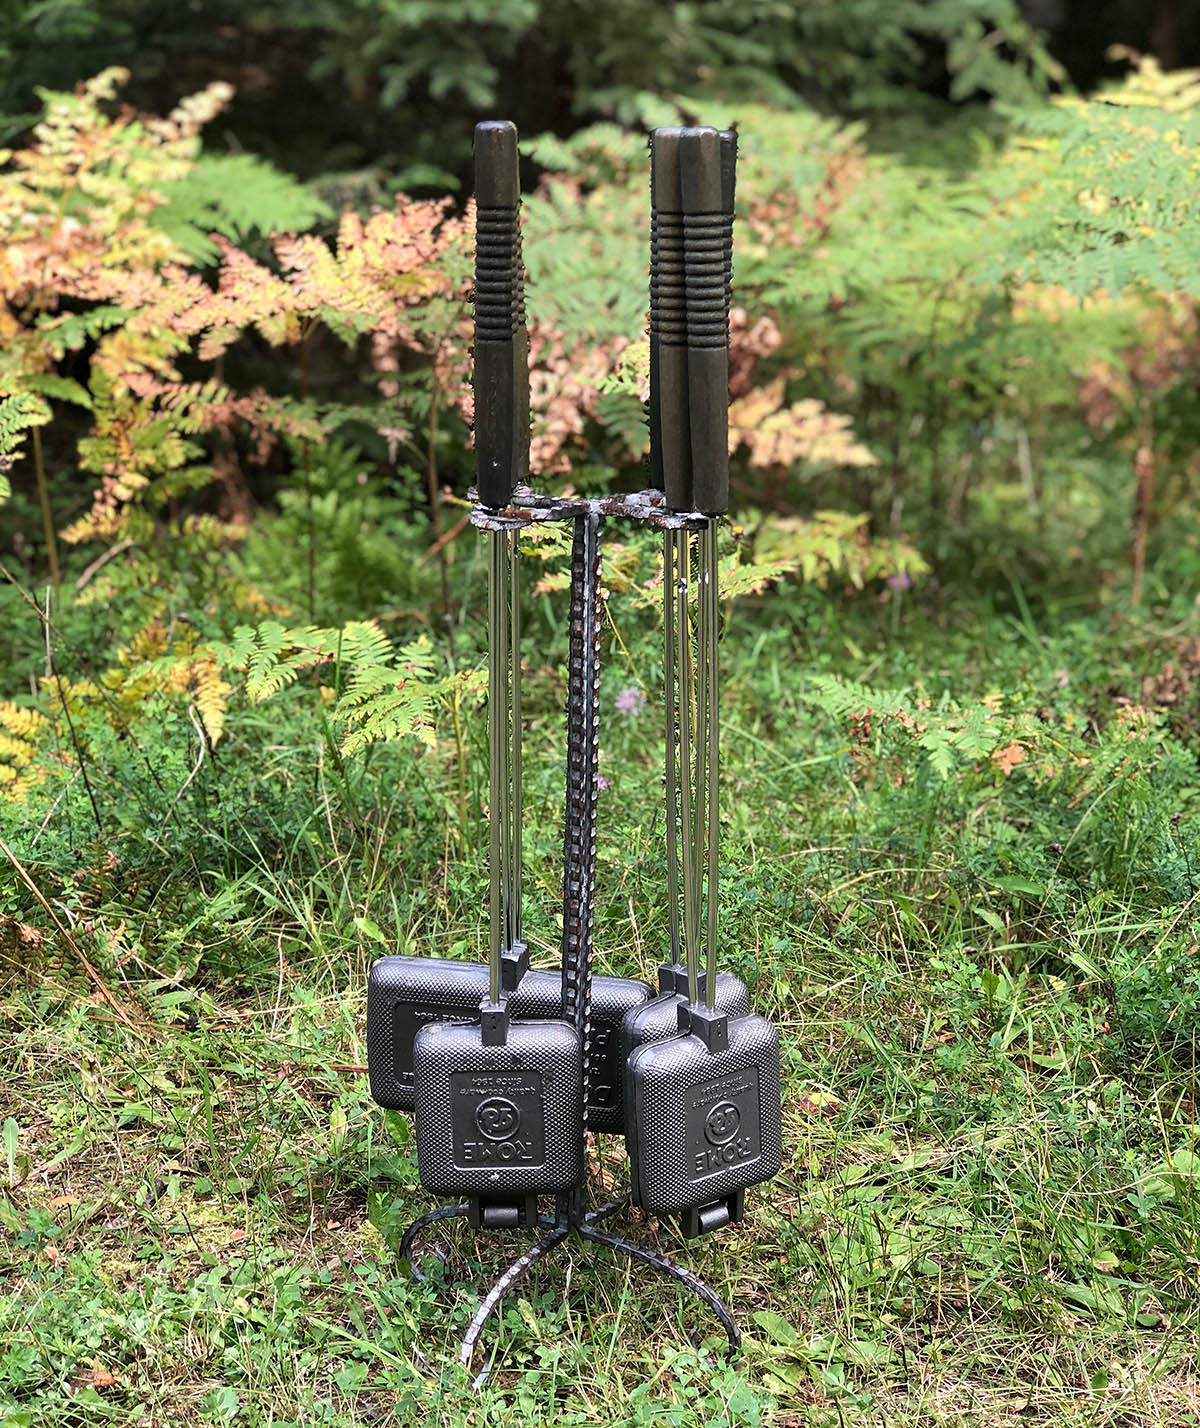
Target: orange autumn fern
<point>394,276</point>
<point>86,261</point>
<point>83,260</point>
<point>111,307</point>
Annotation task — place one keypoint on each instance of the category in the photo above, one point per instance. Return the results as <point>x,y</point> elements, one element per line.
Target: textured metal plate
<point>499,1121</point>
<point>659,1018</point>
<point>705,1124</point>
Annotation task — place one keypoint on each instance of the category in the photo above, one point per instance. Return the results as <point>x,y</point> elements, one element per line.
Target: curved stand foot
<point>592,1217</point>
<point>557,1231</point>
<point>498,1291</point>
<point>602,1212</point>
<point>682,1276</point>
<point>422,1222</point>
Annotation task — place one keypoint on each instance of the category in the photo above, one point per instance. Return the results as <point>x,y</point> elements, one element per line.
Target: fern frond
<point>272,656</point>
<point>234,195</point>
<point>20,732</point>
<point>63,389</point>
<point>383,705</point>
<point>18,412</point>
<point>210,694</point>
<point>268,669</point>
<point>364,644</point>
<point>69,332</point>
<point>1108,194</point>
<point>388,694</point>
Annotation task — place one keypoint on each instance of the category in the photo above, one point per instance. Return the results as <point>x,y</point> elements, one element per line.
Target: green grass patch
<point>987,981</point>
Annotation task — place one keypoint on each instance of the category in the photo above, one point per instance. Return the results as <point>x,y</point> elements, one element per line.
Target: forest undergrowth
<point>243,744</point>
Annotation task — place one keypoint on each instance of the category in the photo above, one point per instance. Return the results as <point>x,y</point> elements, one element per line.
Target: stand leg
<point>590,1217</point>
<point>558,1230</point>
<point>602,1212</point>
<point>422,1222</point>
<point>691,1282</point>
<point>502,1286</point>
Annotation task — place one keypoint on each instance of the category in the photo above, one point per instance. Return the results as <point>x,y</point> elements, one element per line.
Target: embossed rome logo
<point>730,1134</point>
<point>497,1118</point>
<point>722,1123</point>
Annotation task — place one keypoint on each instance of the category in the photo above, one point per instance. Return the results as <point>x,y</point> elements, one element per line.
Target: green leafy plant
<point>387,693</point>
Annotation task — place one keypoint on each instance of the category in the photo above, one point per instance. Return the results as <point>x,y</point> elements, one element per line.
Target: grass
<point>988,996</point>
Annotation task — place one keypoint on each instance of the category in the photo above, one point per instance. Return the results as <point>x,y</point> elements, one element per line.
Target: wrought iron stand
<point>571,1215</point>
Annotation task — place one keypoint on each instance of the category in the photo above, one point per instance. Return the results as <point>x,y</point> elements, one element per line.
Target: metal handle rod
<point>670,450</point>
<point>501,386</point>
<point>700,802</point>
<point>516,858</point>
<point>706,186</point>
<point>501,349</point>
<point>719,499</point>
<point>686,702</point>
<point>506,831</point>
<point>711,596</point>
<point>672,780</point>
<point>496,737</point>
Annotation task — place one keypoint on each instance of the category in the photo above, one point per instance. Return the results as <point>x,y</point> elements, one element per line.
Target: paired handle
<point>692,173</point>
<point>501,338</point>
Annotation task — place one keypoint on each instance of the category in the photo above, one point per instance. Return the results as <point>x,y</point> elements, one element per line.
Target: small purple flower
<point>903,581</point>
<point>1061,678</point>
<point>631,701</point>
<point>602,783</point>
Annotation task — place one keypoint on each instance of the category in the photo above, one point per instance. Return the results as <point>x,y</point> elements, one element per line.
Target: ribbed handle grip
<point>706,185</point>
<point>728,185</point>
<point>670,445</point>
<point>501,339</point>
